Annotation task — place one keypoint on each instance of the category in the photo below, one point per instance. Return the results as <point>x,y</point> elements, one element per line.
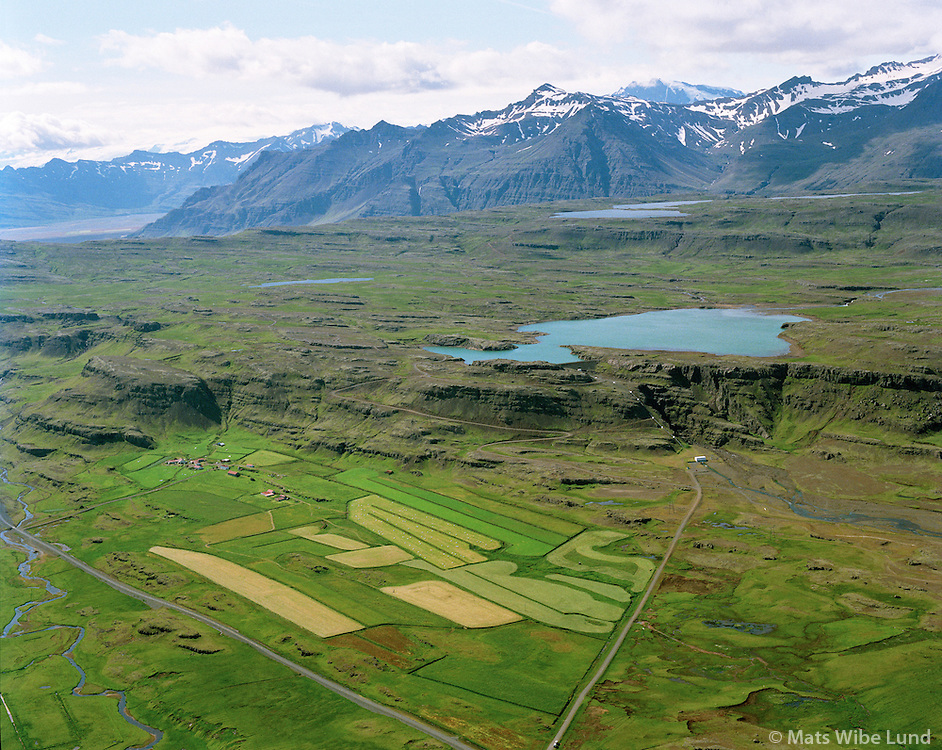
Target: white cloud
<point>48,40</point>
<point>351,68</point>
<point>810,35</point>
<point>46,88</point>
<point>18,63</point>
<point>24,132</point>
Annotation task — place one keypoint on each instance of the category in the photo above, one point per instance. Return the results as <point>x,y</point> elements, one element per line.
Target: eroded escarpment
<point>124,399</point>
<point>715,402</point>
<point>721,403</point>
<point>709,403</point>
<point>150,388</point>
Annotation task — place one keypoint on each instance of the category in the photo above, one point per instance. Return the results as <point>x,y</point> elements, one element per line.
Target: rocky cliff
<point>749,404</point>
<point>125,399</point>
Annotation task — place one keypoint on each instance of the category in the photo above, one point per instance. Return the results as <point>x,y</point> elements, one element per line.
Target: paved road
<point>230,632</point>
<point>613,651</point>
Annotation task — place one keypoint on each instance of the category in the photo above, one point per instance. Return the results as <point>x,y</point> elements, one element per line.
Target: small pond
<point>735,331</point>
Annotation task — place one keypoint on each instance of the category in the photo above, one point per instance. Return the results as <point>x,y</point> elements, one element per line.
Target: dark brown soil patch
<point>675,582</point>
<point>369,648</point>
<point>389,637</point>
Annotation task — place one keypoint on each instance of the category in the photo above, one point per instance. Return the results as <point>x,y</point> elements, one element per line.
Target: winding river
<point>53,593</point>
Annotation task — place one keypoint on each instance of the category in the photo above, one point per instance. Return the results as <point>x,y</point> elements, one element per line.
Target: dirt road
<point>613,649</point>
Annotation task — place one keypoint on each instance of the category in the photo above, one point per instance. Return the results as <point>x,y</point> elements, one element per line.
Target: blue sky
<point>100,78</point>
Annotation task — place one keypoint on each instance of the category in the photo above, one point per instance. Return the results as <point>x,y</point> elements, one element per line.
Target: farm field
<point>462,543</point>
<point>273,596</point>
<point>451,602</point>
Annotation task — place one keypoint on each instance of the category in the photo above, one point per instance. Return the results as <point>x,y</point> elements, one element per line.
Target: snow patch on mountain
<point>674,92</point>
<point>891,84</point>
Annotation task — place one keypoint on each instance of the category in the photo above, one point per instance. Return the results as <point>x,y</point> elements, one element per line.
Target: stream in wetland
<point>799,505</point>
<point>51,594</point>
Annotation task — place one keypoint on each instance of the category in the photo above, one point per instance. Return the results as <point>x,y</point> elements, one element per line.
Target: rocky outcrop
<point>19,339</point>
<point>719,404</point>
<point>153,389</point>
<point>480,345</point>
<point>94,434</point>
<point>123,399</point>
<point>526,406</point>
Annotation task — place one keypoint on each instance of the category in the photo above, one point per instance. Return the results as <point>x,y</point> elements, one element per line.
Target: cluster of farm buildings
<point>225,464</point>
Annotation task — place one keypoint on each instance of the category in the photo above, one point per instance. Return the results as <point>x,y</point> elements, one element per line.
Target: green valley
<point>463,543</point>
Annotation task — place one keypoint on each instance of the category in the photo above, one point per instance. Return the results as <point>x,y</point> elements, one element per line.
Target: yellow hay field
<point>373,557</point>
<point>336,541</point>
<point>453,604</point>
<point>234,528</point>
<point>273,596</point>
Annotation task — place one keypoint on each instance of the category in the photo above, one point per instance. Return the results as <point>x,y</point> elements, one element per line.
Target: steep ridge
<point>551,146</point>
<point>749,404</point>
<point>557,145</point>
<point>890,84</point>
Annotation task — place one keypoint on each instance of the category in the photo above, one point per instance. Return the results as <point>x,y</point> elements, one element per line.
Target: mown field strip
<point>453,604</point>
<point>337,541</point>
<point>580,554</point>
<point>257,523</point>
<point>562,598</point>
<point>434,522</point>
<point>418,547</point>
<point>498,519</point>
<point>517,602</point>
<point>272,595</point>
<point>444,542</point>
<point>607,590</point>
<point>373,557</point>
<point>521,543</point>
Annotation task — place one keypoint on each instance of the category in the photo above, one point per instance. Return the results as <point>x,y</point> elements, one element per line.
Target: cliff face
<point>703,403</point>
<point>719,404</point>
<point>125,399</point>
<point>153,389</point>
<point>135,400</point>
<point>528,406</point>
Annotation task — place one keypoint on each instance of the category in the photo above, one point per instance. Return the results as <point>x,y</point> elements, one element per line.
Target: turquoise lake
<point>738,331</point>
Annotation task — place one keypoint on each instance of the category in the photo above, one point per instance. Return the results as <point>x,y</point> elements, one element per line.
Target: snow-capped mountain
<point>891,84</point>
<point>549,107</point>
<point>675,92</point>
<point>141,182</point>
<point>882,125</point>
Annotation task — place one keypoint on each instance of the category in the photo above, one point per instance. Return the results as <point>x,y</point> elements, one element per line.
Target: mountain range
<point>141,182</point>
<point>878,127</point>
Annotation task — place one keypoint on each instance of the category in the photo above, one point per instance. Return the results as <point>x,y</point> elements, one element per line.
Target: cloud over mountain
<point>805,32</point>
<point>20,131</point>
<point>349,68</point>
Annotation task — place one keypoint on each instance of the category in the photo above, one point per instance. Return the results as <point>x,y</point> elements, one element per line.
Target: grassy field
<point>536,501</point>
<point>440,542</point>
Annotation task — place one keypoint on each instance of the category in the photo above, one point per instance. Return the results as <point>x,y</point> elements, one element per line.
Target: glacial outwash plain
<point>267,517</point>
